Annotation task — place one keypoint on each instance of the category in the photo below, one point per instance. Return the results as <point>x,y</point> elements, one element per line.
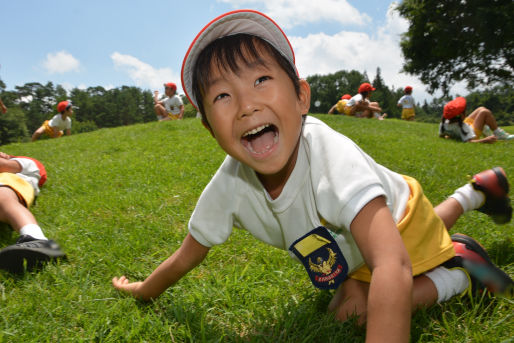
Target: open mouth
<point>261,139</point>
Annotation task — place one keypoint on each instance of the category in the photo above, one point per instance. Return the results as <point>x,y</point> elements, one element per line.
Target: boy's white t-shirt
<point>59,123</point>
<point>454,131</point>
<point>354,100</point>
<point>407,101</point>
<point>333,179</point>
<point>172,104</point>
<point>29,172</point>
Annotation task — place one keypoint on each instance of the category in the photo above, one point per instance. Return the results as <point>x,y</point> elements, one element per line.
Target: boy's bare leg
<point>38,133</point>
<point>449,211</point>
<point>482,116</point>
<point>12,211</point>
<point>161,112</point>
<point>350,298</point>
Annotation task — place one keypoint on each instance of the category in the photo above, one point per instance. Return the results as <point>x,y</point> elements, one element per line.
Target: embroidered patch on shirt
<point>321,257</point>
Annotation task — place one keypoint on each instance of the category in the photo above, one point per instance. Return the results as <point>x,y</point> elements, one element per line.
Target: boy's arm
<point>390,291</point>
<point>488,139</point>
<point>2,107</point>
<point>189,255</point>
<point>156,98</point>
<point>181,114</point>
<point>7,165</point>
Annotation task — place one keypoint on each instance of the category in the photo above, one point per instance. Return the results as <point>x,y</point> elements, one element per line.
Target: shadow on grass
<point>7,235</point>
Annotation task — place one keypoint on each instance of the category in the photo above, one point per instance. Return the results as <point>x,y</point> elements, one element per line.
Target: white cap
<point>241,21</point>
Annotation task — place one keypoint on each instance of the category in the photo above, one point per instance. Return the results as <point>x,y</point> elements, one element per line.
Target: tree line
<point>33,103</point>
<point>326,90</point>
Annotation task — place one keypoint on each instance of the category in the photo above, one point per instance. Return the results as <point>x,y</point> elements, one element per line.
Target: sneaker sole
<point>493,278</point>
<point>16,260</point>
<point>503,200</point>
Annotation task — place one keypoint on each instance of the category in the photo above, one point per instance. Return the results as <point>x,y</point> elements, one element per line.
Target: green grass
<point>118,201</point>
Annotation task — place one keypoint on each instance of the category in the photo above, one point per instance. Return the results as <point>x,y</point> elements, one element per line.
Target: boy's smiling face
<point>256,116</point>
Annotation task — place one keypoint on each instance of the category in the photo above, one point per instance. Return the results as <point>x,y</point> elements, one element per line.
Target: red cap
<point>346,96</point>
<point>62,106</point>
<point>239,21</point>
<point>171,85</point>
<point>408,89</point>
<point>366,87</point>
<point>454,107</point>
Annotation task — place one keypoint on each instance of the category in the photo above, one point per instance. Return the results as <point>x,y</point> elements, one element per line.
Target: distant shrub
<point>13,127</point>
<point>189,111</point>
<point>83,126</point>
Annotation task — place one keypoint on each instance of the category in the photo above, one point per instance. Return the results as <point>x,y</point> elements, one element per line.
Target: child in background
<point>340,106</point>
<point>171,108</point>
<point>3,108</point>
<point>60,122</point>
<point>20,179</point>
<point>360,106</point>
<point>406,102</point>
<point>296,184</point>
<point>454,124</point>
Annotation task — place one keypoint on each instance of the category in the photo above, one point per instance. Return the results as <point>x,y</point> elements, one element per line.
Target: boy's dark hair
<point>364,94</point>
<point>66,108</point>
<point>456,119</point>
<point>225,53</point>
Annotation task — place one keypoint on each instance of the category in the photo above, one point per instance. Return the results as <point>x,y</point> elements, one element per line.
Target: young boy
<point>340,106</point>
<point>60,123</point>
<point>296,184</point>
<point>20,179</point>
<point>171,108</point>
<point>360,106</point>
<point>406,102</point>
<point>3,108</point>
<point>454,124</point>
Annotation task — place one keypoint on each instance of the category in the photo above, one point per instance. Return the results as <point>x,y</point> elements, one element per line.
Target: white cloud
<point>67,86</point>
<point>143,74</point>
<point>61,62</point>
<point>290,13</point>
<point>347,50</point>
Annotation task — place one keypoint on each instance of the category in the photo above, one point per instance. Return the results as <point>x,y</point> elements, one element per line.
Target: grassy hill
<point>118,201</point>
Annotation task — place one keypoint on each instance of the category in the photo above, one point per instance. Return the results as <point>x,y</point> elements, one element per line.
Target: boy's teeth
<point>256,130</point>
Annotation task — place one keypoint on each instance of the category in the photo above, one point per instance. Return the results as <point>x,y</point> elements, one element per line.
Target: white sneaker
<point>502,135</point>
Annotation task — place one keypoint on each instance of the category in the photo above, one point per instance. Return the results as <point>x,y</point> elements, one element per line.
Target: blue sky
<point>111,43</point>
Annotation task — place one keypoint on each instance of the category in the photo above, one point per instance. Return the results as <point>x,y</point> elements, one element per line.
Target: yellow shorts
<point>408,113</point>
<point>423,233</point>
<point>342,108</point>
<point>174,116</point>
<point>49,131</point>
<point>470,121</point>
<point>21,187</point>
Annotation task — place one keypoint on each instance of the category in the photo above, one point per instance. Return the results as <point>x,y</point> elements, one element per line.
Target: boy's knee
<point>350,300</point>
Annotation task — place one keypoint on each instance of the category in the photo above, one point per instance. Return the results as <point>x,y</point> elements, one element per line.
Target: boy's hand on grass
<point>123,284</point>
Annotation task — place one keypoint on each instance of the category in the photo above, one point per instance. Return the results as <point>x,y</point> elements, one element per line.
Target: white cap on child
<point>231,23</point>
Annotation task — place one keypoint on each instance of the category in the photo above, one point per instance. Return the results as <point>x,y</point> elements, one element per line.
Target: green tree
<point>12,126</point>
<point>459,40</point>
<point>384,96</point>
<point>326,90</point>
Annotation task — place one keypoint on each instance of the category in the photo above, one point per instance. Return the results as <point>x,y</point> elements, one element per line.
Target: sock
<point>498,132</point>
<point>468,197</point>
<point>448,282</point>
<point>33,230</point>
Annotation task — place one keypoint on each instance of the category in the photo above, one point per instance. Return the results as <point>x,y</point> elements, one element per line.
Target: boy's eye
<point>220,96</point>
<point>261,79</point>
